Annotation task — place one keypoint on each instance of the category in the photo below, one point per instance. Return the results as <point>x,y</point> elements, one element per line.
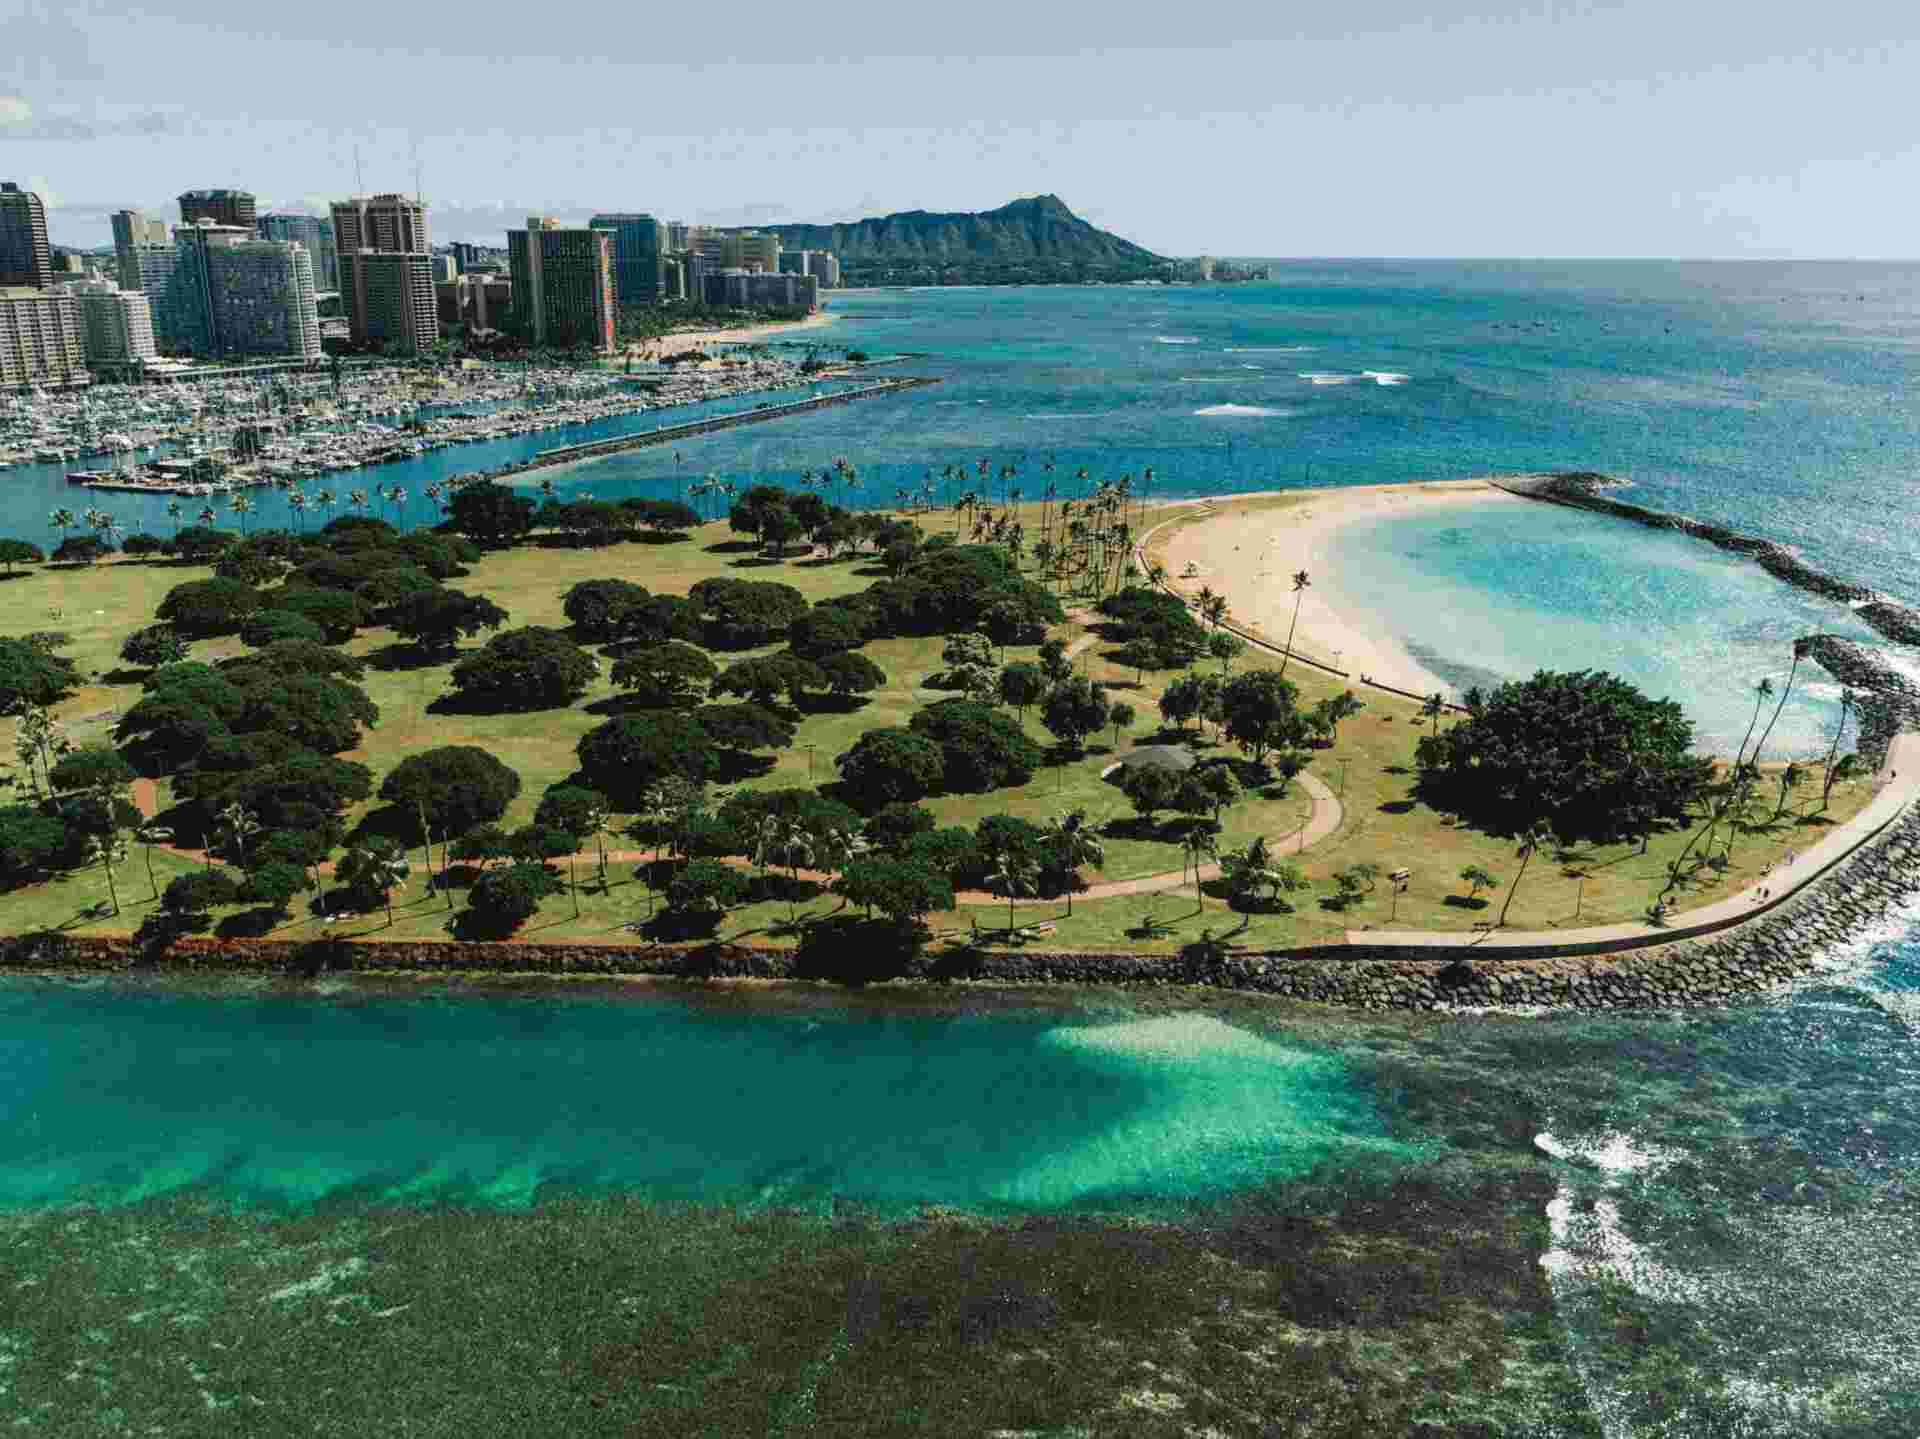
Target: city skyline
<point>1591,129</point>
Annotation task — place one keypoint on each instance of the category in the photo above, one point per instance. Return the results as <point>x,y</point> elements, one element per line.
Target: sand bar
<point>1250,552</point>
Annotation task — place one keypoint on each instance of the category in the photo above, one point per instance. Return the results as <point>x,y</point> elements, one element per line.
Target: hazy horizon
<point>1544,129</point>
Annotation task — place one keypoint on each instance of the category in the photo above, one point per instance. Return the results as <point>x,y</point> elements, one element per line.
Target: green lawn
<point>1369,765</point>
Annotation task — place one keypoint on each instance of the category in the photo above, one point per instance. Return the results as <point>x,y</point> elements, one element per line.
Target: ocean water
<point>1718,1211</point>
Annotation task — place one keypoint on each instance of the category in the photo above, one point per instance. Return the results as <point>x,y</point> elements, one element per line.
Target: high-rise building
<point>131,227</point>
<point>391,223</point>
<point>313,232</point>
<point>116,325</point>
<point>25,256</point>
<point>709,245</point>
<point>465,255</point>
<point>395,298</point>
<point>388,224</point>
<point>760,290</point>
<point>562,284</point>
<point>40,341</point>
<point>223,207</point>
<point>478,301</point>
<point>446,269</point>
<point>233,294</point>
<point>639,252</point>
<point>750,250</point>
<point>677,232</point>
<point>824,266</point>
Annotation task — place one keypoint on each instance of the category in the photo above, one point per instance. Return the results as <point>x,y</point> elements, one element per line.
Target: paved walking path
<point>1772,888</point>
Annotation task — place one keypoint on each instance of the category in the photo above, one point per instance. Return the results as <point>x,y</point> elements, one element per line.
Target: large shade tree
<point>1583,752</point>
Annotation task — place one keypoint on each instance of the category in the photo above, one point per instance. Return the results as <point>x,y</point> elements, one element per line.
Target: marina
<point>297,432</point>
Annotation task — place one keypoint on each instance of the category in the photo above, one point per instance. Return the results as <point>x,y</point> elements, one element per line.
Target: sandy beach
<point>1250,553</point>
<point>700,339</point>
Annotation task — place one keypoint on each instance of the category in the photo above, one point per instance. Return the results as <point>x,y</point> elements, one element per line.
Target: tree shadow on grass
<point>402,655</point>
<point>731,547</point>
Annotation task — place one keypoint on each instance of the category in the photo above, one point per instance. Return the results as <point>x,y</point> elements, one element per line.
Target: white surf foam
<point>1213,379</point>
<point>1385,377</point>
<point>1176,339</point>
<point>1253,411</point>
<point>1326,377</point>
<point>1270,349</point>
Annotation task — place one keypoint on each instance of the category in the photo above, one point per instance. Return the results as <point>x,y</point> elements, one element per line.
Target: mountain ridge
<point>1034,239</point>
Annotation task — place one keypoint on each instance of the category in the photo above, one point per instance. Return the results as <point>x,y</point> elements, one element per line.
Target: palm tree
<point>1790,776</point>
<point>1300,586</point>
<point>174,511</point>
<point>206,515</point>
<point>108,850</point>
<point>326,499</point>
<point>1073,844</point>
<point>1532,839</point>
<point>297,502</point>
<point>62,519</point>
<point>1013,874</point>
<point>376,865</point>
<point>241,825</point>
<point>241,506</point>
<point>357,500</point>
<point>150,835</point>
<point>1847,702</point>
<point>1432,708</point>
<point>397,495</point>
<point>1201,840</point>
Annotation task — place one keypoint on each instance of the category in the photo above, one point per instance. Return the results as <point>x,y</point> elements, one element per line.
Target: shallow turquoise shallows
<point>115,1096</point>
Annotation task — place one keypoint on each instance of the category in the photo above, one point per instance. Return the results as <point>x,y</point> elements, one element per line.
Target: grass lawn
<point>1369,766</point>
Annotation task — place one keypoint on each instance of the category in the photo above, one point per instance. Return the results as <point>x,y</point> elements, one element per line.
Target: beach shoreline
<point>675,343</point>
<point>1251,554</point>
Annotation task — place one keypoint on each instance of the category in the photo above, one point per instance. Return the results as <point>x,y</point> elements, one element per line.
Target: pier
<point>667,434</point>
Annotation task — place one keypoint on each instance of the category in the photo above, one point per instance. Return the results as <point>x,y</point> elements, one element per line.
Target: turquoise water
<point>286,1101</point>
<point>1496,591</point>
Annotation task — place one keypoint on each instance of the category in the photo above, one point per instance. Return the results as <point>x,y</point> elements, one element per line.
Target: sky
<point>1525,128</point>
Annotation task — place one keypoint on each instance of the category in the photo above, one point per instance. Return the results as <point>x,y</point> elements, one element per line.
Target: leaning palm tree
<point>1432,708</point>
<point>62,519</point>
<point>241,825</point>
<point>174,512</point>
<point>1301,584</point>
<point>1535,836</point>
<point>150,835</point>
<point>1847,702</point>
<point>297,502</point>
<point>241,506</point>
<point>107,850</point>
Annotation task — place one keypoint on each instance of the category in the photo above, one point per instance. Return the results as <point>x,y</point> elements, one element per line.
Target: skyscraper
<point>223,207</point>
<point>751,250</point>
<point>396,305</point>
<point>639,246</point>
<point>233,294</point>
<point>132,233</point>
<point>40,340</point>
<point>562,284</point>
<point>116,325</point>
<point>313,232</point>
<point>25,256</point>
<point>396,301</point>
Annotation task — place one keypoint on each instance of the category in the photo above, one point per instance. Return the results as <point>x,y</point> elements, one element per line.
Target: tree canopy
<point>530,668</point>
<point>456,787</point>
<point>665,676</point>
<point>1583,752</point>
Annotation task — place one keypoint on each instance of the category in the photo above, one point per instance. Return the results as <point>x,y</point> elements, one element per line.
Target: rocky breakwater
<point>1582,490</point>
<point>1888,701</point>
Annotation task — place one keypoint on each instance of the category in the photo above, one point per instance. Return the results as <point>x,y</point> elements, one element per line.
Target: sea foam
<point>1176,339</point>
<point>1255,411</point>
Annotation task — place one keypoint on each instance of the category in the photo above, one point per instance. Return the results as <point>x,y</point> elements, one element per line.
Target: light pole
<point>809,748</point>
<point>1400,878</point>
